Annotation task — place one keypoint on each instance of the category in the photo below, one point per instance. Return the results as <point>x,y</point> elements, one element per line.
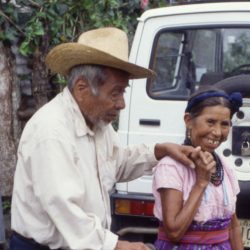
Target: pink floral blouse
<point>217,202</point>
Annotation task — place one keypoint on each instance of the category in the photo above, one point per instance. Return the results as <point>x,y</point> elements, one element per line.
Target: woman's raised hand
<point>204,167</point>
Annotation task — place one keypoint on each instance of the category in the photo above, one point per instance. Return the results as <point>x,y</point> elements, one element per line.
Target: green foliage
<point>43,23</point>
<point>55,21</point>
<point>237,53</point>
<point>38,25</point>
<point>6,205</point>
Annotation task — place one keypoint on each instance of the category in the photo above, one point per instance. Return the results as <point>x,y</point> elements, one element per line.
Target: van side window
<point>186,59</point>
<point>204,51</point>
<point>167,55</point>
<point>166,60</point>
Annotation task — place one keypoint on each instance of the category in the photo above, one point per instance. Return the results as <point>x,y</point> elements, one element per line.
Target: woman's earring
<point>187,140</point>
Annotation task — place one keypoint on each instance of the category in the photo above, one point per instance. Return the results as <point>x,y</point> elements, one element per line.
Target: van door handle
<point>151,122</point>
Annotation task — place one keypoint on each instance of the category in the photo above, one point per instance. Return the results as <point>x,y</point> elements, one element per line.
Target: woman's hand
<point>204,167</point>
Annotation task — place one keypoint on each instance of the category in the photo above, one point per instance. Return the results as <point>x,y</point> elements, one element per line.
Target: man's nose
<point>120,103</point>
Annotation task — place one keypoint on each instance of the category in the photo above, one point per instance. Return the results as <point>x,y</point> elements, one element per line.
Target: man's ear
<point>81,84</point>
<point>188,120</point>
<point>79,88</point>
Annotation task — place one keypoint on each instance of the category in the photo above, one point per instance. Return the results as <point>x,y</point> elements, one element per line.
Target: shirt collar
<point>81,127</point>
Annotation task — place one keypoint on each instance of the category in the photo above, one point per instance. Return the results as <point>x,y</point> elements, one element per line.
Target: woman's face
<point>210,128</point>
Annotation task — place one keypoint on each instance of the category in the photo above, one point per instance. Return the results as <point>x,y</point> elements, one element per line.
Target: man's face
<point>106,105</point>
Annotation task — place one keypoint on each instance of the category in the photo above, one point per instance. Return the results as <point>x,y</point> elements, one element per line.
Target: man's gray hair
<point>94,75</point>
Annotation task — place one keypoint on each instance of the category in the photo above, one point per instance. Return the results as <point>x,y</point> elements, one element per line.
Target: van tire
<point>239,83</point>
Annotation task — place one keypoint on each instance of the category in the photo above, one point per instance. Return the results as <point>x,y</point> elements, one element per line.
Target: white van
<point>187,46</point>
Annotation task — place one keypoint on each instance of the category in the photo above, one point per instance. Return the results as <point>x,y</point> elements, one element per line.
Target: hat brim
<point>65,56</point>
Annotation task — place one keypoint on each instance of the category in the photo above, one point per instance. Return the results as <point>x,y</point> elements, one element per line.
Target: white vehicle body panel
<point>170,112</point>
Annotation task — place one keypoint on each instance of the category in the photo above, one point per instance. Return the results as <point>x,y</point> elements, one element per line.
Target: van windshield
<point>186,59</point>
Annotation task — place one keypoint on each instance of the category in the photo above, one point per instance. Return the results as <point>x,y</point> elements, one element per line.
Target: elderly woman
<point>196,207</point>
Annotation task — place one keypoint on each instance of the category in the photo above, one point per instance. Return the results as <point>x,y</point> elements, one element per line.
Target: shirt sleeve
<point>132,161</point>
<point>235,182</point>
<point>135,161</point>
<point>60,191</point>
<point>231,175</point>
<point>168,174</point>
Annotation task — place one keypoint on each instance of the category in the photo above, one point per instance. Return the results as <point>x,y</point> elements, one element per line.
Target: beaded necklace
<point>218,176</point>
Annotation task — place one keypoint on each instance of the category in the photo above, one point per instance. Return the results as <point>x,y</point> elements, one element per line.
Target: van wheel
<point>239,83</point>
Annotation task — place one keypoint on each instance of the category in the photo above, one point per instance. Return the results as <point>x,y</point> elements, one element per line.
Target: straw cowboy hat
<point>104,46</point>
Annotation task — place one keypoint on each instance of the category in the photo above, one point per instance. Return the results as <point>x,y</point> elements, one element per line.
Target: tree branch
<point>11,22</point>
<point>34,4</point>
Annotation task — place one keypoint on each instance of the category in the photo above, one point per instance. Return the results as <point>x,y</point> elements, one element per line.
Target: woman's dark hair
<point>198,107</point>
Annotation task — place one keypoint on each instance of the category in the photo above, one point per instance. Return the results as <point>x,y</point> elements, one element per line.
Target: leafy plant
<point>49,22</point>
<point>6,205</point>
<point>39,25</point>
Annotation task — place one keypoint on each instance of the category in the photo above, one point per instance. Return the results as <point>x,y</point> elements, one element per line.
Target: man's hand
<point>178,152</point>
<point>125,245</point>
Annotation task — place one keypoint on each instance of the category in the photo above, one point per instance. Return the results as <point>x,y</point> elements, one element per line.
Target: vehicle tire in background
<point>239,83</point>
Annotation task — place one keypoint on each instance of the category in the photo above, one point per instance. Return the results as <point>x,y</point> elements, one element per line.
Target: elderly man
<point>69,156</point>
